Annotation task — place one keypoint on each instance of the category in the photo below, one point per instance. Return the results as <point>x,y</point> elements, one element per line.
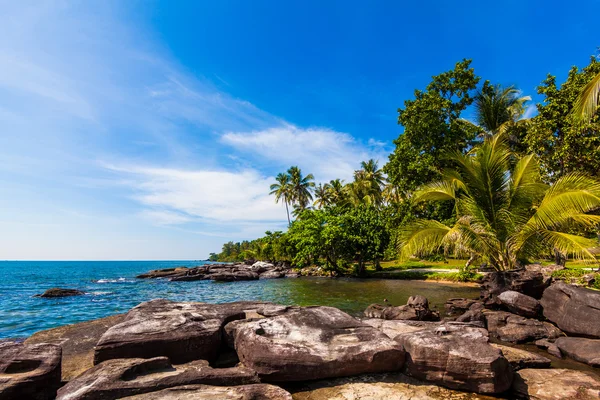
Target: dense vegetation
<point>502,190</point>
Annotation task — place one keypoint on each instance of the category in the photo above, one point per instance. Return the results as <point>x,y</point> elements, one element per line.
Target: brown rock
<point>29,372</point>
<point>516,329</point>
<point>474,315</point>
<point>203,392</point>
<point>549,346</point>
<point>272,275</point>
<point>580,349</point>
<point>393,328</point>
<point>58,292</point>
<point>314,343</point>
<point>416,309</point>
<point>520,304</point>
<point>555,384</point>
<point>234,276</point>
<point>529,282</point>
<point>114,379</point>
<point>519,358</point>
<point>458,306</point>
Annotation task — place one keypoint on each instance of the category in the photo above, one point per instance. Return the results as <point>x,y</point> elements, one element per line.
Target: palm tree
<point>301,187</point>
<point>506,214</point>
<point>587,102</point>
<point>497,107</point>
<point>282,190</point>
<point>367,185</point>
<point>323,195</point>
<point>336,190</point>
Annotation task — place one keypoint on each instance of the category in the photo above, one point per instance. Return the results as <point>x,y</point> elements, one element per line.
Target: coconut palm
<point>497,107</point>
<point>504,213</point>
<point>367,185</point>
<point>301,187</point>
<point>323,196</point>
<point>282,190</point>
<point>336,191</point>
<point>587,102</point>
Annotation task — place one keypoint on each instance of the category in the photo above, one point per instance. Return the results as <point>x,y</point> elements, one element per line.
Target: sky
<point>152,130</point>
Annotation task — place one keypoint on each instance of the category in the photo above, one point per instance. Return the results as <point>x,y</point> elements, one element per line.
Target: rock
<point>529,282</point>
<point>29,372</point>
<point>458,358</point>
<point>474,315</point>
<point>272,275</point>
<point>314,343</point>
<point>292,274</point>
<point>234,276</point>
<point>114,379</point>
<point>203,392</point>
<point>520,359</point>
<point>58,292</point>
<point>573,309</point>
<point>416,309</point>
<point>181,331</point>
<point>157,273</point>
<point>77,342</point>
<point>580,349</point>
<point>549,346</point>
<point>555,384</point>
<point>520,304</point>
<point>393,328</point>
<point>516,329</point>
<point>545,270</point>
<point>458,306</point>
<point>261,266</point>
<point>190,278</point>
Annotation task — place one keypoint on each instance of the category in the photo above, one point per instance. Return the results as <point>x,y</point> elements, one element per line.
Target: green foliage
<point>576,276</point>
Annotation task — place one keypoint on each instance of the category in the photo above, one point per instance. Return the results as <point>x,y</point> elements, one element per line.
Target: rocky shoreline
<point>257,350</point>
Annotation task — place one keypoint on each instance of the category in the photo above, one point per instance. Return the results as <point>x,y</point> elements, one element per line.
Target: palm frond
<point>588,100</point>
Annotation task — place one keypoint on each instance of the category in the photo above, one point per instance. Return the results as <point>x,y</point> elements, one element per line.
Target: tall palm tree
<point>336,190</point>
<point>367,185</point>
<point>301,187</point>
<point>282,190</point>
<point>504,213</point>
<point>587,102</point>
<point>323,195</point>
<point>497,107</point>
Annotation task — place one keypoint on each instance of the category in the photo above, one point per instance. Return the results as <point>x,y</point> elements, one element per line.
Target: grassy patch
<point>414,264</point>
<point>428,276</point>
<point>576,276</point>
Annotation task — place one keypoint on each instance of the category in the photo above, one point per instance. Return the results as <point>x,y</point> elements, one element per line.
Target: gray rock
<point>393,328</point>
<point>550,347</point>
<point>555,384</point>
<point>272,275</point>
<point>516,329</point>
<point>203,392</point>
<point>580,349</point>
<point>520,304</point>
<point>474,315</point>
<point>416,309</point>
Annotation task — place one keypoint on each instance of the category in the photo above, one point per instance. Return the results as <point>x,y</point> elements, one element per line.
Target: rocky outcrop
<point>458,358</point>
<point>549,346</point>
<point>520,304</point>
<point>58,292</point>
<point>203,392</point>
<point>519,358</point>
<point>516,329</point>
<point>580,349</point>
<point>314,343</point>
<point>458,306</point>
<point>234,276</point>
<point>114,379</point>
<point>555,384</point>
<point>416,309</point>
<point>273,275</point>
<point>181,331</point>
<point>473,315</point>
<point>393,328</point>
<point>29,372</point>
<point>573,309</point>
<point>529,282</point>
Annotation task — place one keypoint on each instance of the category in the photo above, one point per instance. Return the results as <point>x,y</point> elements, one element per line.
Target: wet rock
<point>458,306</point>
<point>314,343</point>
<point>181,331</point>
<point>77,342</point>
<point>516,329</point>
<point>272,275</point>
<point>555,384</point>
<point>58,292</point>
<point>234,276</point>
<point>520,304</point>
<point>473,315</point>
<point>114,379</point>
<point>29,372</point>
<point>519,358</point>
<point>529,282</point>
<point>458,358</point>
<point>416,309</point>
<point>580,349</point>
<point>203,392</point>
<point>549,346</point>
<point>260,266</point>
<point>573,309</point>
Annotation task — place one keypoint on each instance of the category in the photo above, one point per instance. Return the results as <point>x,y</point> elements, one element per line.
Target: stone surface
<point>456,357</point>
<point>516,329</point>
<point>520,304</point>
<point>573,309</point>
<point>580,349</point>
<point>58,292</point>
<point>203,392</point>
<point>29,372</point>
<point>520,359</point>
<point>555,384</point>
<point>416,309</point>
<point>77,342</point>
<point>234,276</point>
<point>314,343</point>
<point>119,378</point>
<point>181,331</point>
<point>458,306</point>
<point>393,328</point>
<point>549,346</point>
<point>473,314</point>
<point>529,282</point>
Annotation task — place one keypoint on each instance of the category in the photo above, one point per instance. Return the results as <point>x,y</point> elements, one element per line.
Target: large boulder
<point>272,275</point>
<point>456,357</point>
<point>580,349</point>
<point>234,276</point>
<point>520,304</point>
<point>181,331</point>
<point>314,343</point>
<point>204,392</point>
<point>513,328</point>
<point>473,315</point>
<point>29,372</point>
<point>393,328</point>
<point>573,309</point>
<point>261,266</point>
<point>529,282</point>
<point>114,379</point>
<point>458,306</point>
<point>416,309</point>
<point>520,358</point>
<point>555,384</point>
<point>59,292</point>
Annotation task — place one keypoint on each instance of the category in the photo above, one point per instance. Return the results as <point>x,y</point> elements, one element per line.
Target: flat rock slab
<point>393,328</point>
<point>314,343</point>
<point>573,309</point>
<point>516,329</point>
<point>29,371</point>
<point>580,349</point>
<point>519,358</point>
<point>181,331</point>
<point>203,392</point>
<point>556,384</point>
<point>119,378</point>
<point>77,342</point>
<point>520,304</point>
<point>458,358</point>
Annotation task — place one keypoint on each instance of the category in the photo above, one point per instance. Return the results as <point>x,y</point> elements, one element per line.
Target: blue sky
<point>152,129</point>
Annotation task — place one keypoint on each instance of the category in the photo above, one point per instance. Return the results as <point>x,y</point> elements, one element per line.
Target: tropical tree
<point>301,187</point>
<point>323,196</point>
<point>504,213</point>
<point>497,107</point>
<point>282,190</point>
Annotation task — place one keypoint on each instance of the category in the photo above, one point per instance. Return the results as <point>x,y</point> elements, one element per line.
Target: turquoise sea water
<point>111,287</point>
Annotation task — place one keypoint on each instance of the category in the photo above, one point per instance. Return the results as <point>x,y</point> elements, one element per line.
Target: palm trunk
<point>287,210</point>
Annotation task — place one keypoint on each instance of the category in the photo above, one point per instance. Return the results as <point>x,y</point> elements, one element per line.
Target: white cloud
<point>530,112</point>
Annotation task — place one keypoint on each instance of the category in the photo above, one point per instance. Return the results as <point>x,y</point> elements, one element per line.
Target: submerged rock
<point>29,371</point>
<point>416,309</point>
<point>203,392</point>
<point>580,349</point>
<point>555,384</point>
<point>314,343</point>
<point>520,359</point>
<point>516,329</point>
<point>59,292</point>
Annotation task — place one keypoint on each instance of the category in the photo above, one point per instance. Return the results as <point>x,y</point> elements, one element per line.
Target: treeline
<point>338,224</point>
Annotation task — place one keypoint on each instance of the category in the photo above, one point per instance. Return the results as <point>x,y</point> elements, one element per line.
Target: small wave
<point>119,280</point>
<point>99,293</point>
